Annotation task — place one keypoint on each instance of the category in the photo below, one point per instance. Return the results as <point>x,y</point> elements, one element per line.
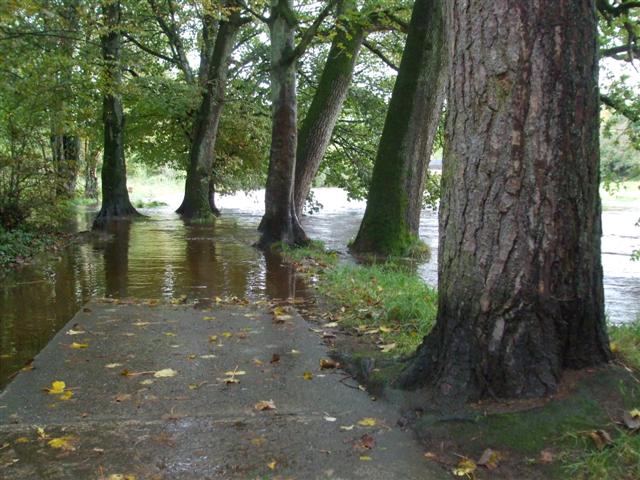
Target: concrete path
<point>153,397</point>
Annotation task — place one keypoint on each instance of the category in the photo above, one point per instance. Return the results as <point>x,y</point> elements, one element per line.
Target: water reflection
<point>163,257</point>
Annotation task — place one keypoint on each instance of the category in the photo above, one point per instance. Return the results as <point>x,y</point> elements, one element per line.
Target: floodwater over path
<point>162,257</point>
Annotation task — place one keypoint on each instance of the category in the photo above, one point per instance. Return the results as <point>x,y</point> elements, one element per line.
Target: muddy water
<point>162,257</point>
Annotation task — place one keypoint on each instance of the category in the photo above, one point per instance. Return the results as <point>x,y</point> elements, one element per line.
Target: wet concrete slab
<point>170,391</point>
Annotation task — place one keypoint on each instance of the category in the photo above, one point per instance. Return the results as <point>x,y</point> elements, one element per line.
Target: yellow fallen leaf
<point>56,388</point>
<point>141,324</point>
<point>213,338</point>
<point>66,395</point>
<point>209,318</point>
<point>235,372</point>
<point>265,405</point>
<point>635,413</point>
<point>366,458</point>
<point>367,422</point>
<point>120,476</point>
<point>113,365</point>
<point>79,346</point>
<point>75,332</point>
<point>170,334</point>
<point>465,468</point>
<point>22,440</point>
<point>208,356</point>
<point>148,381</point>
<point>307,375</point>
<point>331,325</point>
<point>347,427</point>
<point>272,465</point>
<point>227,334</point>
<point>164,373</point>
<point>63,443</point>
<point>41,433</point>
<point>387,348</point>
<point>385,329</point>
<point>613,346</point>
<point>257,362</point>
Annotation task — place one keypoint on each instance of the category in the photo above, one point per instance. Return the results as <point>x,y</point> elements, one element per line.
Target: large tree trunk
<point>196,196</point>
<point>520,276</point>
<point>280,222</point>
<point>115,197</point>
<point>318,124</point>
<point>392,217</point>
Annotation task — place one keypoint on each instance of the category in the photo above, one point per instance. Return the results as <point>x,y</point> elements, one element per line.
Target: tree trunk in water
<point>280,222</point>
<point>212,197</point>
<point>90,167</point>
<point>196,195</point>
<point>115,197</point>
<point>318,124</point>
<point>520,276</point>
<point>392,217</point>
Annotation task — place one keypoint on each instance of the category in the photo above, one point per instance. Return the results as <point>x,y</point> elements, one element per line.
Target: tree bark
<point>318,124</point>
<point>520,276</point>
<point>115,197</point>
<point>66,158</point>
<point>90,167</point>
<point>280,221</point>
<point>196,203</point>
<point>212,197</point>
<point>392,217</point>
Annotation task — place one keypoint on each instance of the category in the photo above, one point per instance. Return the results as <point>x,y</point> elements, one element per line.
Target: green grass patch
<point>386,300</point>
<point>625,342</point>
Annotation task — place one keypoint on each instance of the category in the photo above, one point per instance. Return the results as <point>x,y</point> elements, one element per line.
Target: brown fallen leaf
<point>265,405</point>
<point>600,438</point>
<point>327,364</point>
<point>546,456</point>
<point>307,376</point>
<point>275,358</point>
<point>122,397</point>
<point>489,459</point>
<point>465,468</point>
<point>367,442</point>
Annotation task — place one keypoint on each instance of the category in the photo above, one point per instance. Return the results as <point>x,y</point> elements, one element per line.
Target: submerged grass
<point>386,300</point>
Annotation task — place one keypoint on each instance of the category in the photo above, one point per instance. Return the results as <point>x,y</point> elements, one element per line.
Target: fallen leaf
<point>41,433</point>
<point>75,332</point>
<point>164,373</point>
<point>366,458</point>
<point>113,365</point>
<point>275,358</point>
<point>546,456</point>
<point>347,427</point>
<point>327,363</point>
<point>490,459</point>
<point>148,381</point>
<point>170,334</point>
<point>386,329</point>
<point>295,352</point>
<point>307,375</point>
<point>122,397</point>
<point>331,325</point>
<point>430,456</point>
<point>66,395</point>
<point>79,346</point>
<point>120,476</point>
<point>258,441</point>
<point>465,468</point>
<point>208,318</point>
<point>632,419</point>
<point>235,372</point>
<point>63,443</point>
<point>330,419</point>
<point>22,440</point>
<point>387,348</point>
<point>141,324</point>
<point>257,362</point>
<point>367,422</point>
<point>56,388</point>
<point>208,356</point>
<point>227,334</point>
<point>367,442</point>
<point>600,438</point>
<point>213,338</point>
<point>272,465</point>
<point>265,405</point>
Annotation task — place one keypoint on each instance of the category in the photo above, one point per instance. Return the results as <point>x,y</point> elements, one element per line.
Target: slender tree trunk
<point>318,124</point>
<point>280,222</point>
<point>90,167</point>
<point>392,217</point>
<point>115,197</point>
<point>66,158</point>
<point>212,197</point>
<point>196,197</point>
<point>520,276</point>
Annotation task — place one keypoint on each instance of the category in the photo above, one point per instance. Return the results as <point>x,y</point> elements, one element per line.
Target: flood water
<point>162,257</point>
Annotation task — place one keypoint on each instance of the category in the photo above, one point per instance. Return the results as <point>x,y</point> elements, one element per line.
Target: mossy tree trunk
<point>197,202</point>
<point>520,276</point>
<point>280,222</point>
<point>392,217</point>
<point>315,133</point>
<point>115,197</point>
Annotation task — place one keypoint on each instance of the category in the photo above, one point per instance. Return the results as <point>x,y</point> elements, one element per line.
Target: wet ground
<point>163,258</point>
<point>216,392</point>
